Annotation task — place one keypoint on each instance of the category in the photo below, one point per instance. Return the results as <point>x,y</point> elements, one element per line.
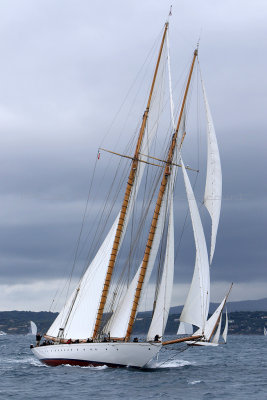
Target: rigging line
<point>133,84</point>
<point>184,348</point>
<point>105,214</point>
<point>78,240</point>
<point>145,209</point>
<point>137,240</point>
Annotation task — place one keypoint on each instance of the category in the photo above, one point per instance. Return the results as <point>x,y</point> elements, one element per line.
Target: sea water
<point>237,370</point>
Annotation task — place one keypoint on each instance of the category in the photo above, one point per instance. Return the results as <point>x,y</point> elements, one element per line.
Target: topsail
<point>213,189</point>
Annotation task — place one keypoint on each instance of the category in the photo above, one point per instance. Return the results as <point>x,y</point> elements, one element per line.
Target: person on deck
<point>38,339</point>
<point>156,338</point>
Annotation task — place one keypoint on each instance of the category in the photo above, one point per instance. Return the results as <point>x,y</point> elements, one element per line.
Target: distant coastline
<point>245,317</point>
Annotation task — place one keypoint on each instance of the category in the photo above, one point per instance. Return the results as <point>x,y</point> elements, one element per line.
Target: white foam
<point>169,364</point>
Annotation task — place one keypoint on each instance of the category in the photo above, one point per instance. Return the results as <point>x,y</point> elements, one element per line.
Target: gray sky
<point>65,69</point>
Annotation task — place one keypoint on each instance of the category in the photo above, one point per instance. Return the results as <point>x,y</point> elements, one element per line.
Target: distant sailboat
<point>80,334</point>
<point>33,328</point>
<point>265,331</point>
<point>225,331</point>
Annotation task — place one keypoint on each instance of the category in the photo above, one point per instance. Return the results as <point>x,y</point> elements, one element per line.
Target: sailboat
<point>89,332</point>
<point>265,331</point>
<point>2,333</point>
<point>33,328</point>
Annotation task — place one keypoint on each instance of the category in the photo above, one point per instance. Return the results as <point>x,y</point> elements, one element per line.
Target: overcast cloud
<point>65,68</point>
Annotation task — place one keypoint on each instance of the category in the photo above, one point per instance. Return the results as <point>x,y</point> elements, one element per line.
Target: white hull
<point>94,354</point>
<point>2,333</point>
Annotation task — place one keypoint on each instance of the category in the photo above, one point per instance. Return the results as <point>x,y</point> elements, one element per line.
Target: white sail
<point>265,331</point>
<point>185,329</point>
<point>33,328</point>
<point>212,322</point>
<point>225,331</point>
<point>81,319</point>
<point>196,307</point>
<point>161,311</point>
<point>213,189</point>
<point>216,337</point>
<point>117,326</point>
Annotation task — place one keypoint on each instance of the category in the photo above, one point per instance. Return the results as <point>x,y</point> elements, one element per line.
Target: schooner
<point>84,333</point>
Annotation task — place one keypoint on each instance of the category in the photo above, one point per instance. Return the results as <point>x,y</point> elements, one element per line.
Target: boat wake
<point>99,367</point>
<point>169,364</point>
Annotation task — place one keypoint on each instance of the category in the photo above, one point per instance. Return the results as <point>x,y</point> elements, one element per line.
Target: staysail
<point>185,329</point>
<point>213,189</point>
<point>196,307</point>
<point>117,326</point>
<point>163,303</point>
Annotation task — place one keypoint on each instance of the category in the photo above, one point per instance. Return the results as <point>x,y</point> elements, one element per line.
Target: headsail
<point>211,323</point>
<point>213,189</point>
<point>216,337</point>
<point>196,307</point>
<point>78,319</point>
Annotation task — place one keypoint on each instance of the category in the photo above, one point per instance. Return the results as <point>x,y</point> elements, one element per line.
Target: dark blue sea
<point>236,371</point>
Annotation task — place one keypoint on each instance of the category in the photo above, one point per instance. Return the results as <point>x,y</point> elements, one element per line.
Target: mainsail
<point>117,326</point>
<point>196,307</point>
<point>213,189</point>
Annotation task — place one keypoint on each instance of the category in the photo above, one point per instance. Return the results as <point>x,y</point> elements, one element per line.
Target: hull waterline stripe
<point>54,362</point>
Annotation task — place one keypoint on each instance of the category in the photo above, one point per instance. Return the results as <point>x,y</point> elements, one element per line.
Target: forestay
<point>213,189</point>
<point>196,307</point>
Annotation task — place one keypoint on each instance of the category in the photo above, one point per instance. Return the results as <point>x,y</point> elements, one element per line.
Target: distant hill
<point>246,305</point>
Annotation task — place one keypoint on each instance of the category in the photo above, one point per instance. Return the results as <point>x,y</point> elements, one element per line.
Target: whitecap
<point>194,382</point>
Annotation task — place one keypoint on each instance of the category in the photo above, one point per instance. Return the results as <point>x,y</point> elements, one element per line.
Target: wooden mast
<point>153,227</point>
<point>130,183</point>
